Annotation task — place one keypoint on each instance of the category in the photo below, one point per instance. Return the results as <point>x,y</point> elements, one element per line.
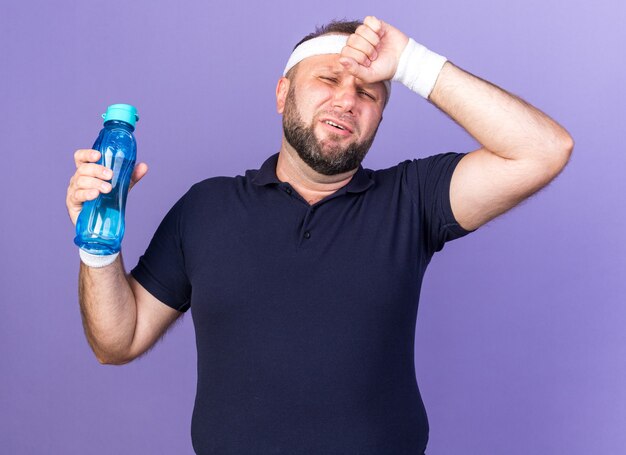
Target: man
<point>303,276</point>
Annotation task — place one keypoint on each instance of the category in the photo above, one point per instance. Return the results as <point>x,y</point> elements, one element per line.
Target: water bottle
<point>100,225</point>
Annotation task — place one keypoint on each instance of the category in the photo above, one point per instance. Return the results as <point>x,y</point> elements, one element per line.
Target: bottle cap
<point>124,112</point>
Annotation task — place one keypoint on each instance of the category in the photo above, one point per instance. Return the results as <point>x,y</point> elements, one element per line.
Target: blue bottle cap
<point>124,112</point>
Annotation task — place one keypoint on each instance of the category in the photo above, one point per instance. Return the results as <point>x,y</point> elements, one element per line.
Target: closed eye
<point>363,92</point>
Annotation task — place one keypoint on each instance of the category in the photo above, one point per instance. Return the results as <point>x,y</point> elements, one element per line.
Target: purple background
<point>521,334</point>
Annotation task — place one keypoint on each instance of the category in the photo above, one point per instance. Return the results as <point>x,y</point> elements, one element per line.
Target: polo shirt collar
<point>266,175</point>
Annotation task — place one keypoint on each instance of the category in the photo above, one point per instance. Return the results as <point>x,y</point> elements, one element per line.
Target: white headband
<point>325,44</point>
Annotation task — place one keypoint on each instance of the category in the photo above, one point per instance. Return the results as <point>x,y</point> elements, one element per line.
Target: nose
<point>344,97</point>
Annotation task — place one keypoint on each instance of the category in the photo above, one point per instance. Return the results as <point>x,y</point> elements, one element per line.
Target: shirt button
<point>288,190</point>
<point>307,235</point>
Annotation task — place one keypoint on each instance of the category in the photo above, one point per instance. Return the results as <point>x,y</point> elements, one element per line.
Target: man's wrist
<point>418,68</point>
<point>96,261</point>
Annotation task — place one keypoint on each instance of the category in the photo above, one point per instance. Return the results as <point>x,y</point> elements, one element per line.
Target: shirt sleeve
<point>429,183</point>
<point>161,269</point>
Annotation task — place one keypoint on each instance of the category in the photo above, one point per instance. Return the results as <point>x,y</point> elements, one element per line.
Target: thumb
<point>140,170</point>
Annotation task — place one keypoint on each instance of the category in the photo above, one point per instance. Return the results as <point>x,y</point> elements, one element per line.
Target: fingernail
<point>107,173</point>
<point>105,187</point>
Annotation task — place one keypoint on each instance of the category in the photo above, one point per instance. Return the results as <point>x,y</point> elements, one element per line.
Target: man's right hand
<point>91,179</point>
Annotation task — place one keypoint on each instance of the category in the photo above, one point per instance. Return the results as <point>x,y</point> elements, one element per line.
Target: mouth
<point>337,127</point>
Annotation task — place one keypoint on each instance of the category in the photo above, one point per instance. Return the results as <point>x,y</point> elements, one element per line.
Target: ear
<point>282,88</point>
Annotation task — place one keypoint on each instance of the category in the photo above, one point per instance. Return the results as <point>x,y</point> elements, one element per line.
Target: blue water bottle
<point>100,225</point>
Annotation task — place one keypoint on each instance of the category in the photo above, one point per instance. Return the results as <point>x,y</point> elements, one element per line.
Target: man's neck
<point>311,185</point>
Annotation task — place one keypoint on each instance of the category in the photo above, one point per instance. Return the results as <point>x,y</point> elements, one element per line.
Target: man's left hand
<point>372,53</point>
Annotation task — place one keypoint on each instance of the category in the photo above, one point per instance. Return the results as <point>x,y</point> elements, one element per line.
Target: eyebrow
<point>338,72</point>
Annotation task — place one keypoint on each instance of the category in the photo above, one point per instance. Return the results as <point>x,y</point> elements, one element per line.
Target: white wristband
<point>94,260</point>
<point>419,68</point>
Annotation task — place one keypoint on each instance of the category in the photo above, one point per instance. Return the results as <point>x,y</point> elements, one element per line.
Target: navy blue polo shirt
<point>305,314</point>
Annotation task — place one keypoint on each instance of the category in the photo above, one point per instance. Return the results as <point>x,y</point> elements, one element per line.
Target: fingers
<point>374,24</point>
<point>368,34</point>
<point>92,179</point>
<point>361,46</point>
<point>83,187</point>
<point>95,170</point>
<point>89,176</point>
<point>81,196</point>
<point>86,156</point>
<point>89,180</point>
<point>360,50</point>
<point>354,68</point>
<point>92,176</point>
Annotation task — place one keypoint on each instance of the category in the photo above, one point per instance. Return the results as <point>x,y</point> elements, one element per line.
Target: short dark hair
<point>339,26</point>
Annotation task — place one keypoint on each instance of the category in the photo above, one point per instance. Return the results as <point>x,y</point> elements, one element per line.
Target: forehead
<point>312,66</point>
<point>318,61</point>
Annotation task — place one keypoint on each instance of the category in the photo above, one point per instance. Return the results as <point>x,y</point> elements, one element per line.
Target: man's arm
<point>522,148</point>
<point>122,320</point>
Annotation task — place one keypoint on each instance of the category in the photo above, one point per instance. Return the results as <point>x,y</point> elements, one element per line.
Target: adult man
<point>303,276</point>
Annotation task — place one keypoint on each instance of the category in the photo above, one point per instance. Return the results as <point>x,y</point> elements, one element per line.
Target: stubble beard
<point>325,157</point>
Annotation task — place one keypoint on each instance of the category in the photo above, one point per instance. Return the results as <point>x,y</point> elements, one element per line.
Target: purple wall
<point>520,346</point>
